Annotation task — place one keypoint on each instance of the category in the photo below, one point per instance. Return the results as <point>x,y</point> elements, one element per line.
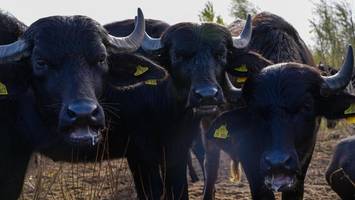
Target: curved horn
<point>14,51</point>
<point>244,38</point>
<point>133,41</point>
<point>151,44</point>
<point>342,78</point>
<point>233,93</point>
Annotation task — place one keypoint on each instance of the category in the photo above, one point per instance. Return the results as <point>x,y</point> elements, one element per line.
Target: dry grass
<point>102,180</point>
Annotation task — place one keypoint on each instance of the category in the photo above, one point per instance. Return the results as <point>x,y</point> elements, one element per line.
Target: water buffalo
<point>340,174</point>
<point>196,57</point>
<point>156,28</point>
<point>55,78</point>
<point>274,133</point>
<point>276,40</point>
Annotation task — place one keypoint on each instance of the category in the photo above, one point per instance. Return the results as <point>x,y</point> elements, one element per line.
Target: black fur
<point>340,174</point>
<point>279,125</point>
<point>67,63</point>
<point>195,56</point>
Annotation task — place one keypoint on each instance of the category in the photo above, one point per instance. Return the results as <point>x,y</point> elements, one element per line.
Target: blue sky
<point>297,12</point>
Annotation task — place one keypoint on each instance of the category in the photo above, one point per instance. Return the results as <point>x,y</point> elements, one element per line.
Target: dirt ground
<point>112,180</point>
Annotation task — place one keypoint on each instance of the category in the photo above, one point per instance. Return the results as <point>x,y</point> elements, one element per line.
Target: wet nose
<point>206,92</point>
<point>277,160</point>
<point>83,111</point>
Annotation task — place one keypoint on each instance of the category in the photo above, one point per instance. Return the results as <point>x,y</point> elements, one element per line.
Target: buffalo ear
<point>130,70</point>
<point>223,130</point>
<point>337,106</point>
<point>243,64</point>
<point>15,78</point>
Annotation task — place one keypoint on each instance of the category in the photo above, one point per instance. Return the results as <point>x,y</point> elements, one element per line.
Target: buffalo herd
<point>150,92</point>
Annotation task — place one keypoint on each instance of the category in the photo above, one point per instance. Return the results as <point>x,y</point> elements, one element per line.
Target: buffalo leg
<point>211,169</point>
<point>199,151</point>
<point>192,171</point>
<point>296,194</point>
<point>176,186</point>
<point>259,194</point>
<point>235,171</point>
<point>146,179</point>
<point>12,173</point>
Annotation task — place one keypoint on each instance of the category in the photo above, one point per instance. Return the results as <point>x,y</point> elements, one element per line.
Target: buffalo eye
<point>101,59</point>
<point>41,65</point>
<point>221,56</point>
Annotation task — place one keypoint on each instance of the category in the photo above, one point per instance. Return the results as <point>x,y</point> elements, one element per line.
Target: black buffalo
<point>156,28</point>
<point>58,75</point>
<point>276,40</point>
<point>196,57</point>
<point>340,174</point>
<point>275,132</point>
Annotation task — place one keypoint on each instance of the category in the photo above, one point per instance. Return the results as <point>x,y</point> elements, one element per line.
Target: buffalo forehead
<point>199,36</point>
<point>284,86</point>
<point>65,36</point>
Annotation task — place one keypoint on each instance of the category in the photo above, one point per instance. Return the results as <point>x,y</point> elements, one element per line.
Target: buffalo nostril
<point>82,109</point>
<point>286,159</point>
<point>71,113</point>
<point>96,112</point>
<point>206,92</point>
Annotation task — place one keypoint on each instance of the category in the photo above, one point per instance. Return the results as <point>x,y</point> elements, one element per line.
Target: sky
<point>296,12</point>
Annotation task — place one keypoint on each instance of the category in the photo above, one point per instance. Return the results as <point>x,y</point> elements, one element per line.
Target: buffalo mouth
<point>84,135</point>
<point>206,109</point>
<point>280,182</point>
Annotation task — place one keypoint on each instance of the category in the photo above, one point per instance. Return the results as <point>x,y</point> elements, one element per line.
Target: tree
<point>208,14</point>
<point>333,28</point>
<point>241,9</point>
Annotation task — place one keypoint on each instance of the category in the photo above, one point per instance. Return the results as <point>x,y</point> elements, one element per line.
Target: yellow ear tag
<point>151,82</point>
<point>242,68</point>
<point>350,110</point>
<point>221,132</point>
<point>140,70</point>
<point>350,120</point>
<point>3,90</point>
<point>241,79</point>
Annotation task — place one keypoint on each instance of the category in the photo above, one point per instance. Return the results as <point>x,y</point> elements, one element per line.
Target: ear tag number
<point>242,68</point>
<point>3,90</point>
<point>151,82</point>
<point>221,132</point>
<point>140,70</point>
<point>350,110</point>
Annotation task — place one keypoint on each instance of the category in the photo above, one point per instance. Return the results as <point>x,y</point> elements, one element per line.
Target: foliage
<point>333,29</point>
<point>241,9</point>
<point>208,14</point>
